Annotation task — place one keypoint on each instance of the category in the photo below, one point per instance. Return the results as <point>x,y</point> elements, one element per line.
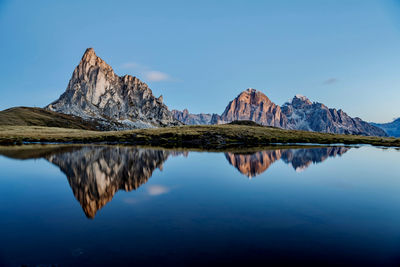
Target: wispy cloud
<point>156,76</point>
<point>148,73</point>
<point>330,81</point>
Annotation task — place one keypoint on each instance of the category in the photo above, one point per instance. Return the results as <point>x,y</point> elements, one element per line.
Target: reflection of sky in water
<point>151,190</point>
<point>155,190</point>
<point>345,209</point>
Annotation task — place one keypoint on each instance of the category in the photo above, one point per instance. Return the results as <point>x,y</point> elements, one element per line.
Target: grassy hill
<point>25,116</point>
<point>197,136</point>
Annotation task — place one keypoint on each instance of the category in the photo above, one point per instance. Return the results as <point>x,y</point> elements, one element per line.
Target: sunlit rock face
<point>95,92</point>
<point>254,164</point>
<point>255,106</point>
<point>250,105</point>
<point>302,114</point>
<point>95,174</point>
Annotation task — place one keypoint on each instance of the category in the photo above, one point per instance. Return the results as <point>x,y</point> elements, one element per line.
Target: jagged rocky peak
<point>89,63</point>
<point>297,102</point>
<point>253,105</point>
<point>302,114</point>
<point>91,59</point>
<point>300,100</point>
<point>253,97</point>
<point>95,92</point>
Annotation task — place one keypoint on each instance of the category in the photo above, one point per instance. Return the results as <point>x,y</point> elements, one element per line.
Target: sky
<point>201,54</point>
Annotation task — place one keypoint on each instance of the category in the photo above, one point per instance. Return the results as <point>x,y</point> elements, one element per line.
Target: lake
<point>121,205</point>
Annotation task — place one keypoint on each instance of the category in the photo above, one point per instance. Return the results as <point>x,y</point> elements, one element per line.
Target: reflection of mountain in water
<point>95,174</point>
<point>254,164</point>
<point>300,159</point>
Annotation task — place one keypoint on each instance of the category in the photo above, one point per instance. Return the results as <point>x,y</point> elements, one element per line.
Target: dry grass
<point>204,136</point>
<point>26,116</point>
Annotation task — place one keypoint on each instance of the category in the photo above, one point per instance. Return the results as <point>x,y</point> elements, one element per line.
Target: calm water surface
<point>114,205</point>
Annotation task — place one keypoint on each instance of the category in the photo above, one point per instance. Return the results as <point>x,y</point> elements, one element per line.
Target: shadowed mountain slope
<point>302,114</point>
<point>391,128</point>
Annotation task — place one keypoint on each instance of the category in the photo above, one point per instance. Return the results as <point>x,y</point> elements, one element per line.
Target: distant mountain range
<point>391,128</point>
<point>192,119</point>
<point>299,114</point>
<point>97,98</point>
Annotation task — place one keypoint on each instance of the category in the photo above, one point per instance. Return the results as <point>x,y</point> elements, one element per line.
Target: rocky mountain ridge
<point>299,114</point>
<point>302,114</point>
<point>192,119</point>
<point>95,92</point>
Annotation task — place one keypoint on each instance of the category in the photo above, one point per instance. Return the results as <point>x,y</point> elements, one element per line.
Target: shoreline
<point>201,137</point>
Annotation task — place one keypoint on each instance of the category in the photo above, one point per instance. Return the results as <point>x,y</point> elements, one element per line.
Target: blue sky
<point>200,54</point>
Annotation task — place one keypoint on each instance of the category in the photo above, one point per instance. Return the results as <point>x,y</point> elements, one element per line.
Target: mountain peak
<point>302,98</point>
<point>90,59</point>
<point>253,97</point>
<point>89,55</point>
<point>299,100</point>
<point>92,64</point>
<point>89,51</point>
<point>95,92</point>
<point>251,90</point>
<point>253,105</point>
